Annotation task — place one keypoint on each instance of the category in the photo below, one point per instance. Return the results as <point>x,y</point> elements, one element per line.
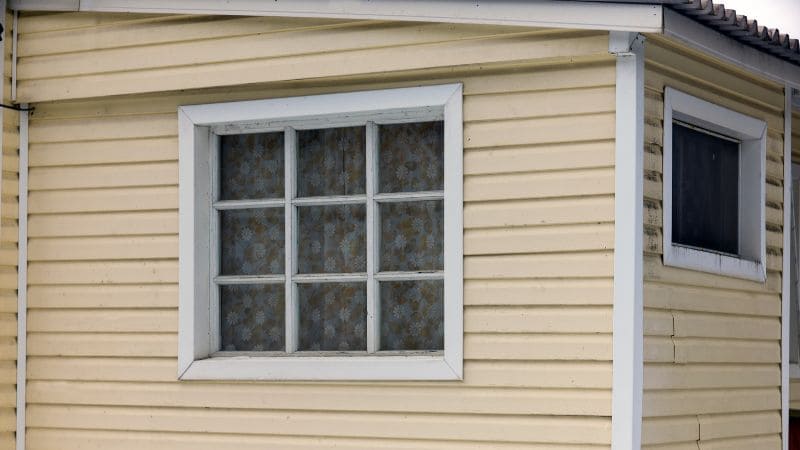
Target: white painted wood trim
<point>706,40</point>
<point>197,125</point>
<point>22,280</point>
<point>531,13</point>
<point>786,297</point>
<point>628,336</point>
<point>752,133</point>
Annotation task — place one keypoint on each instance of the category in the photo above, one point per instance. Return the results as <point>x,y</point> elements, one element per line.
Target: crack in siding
<point>672,339</point>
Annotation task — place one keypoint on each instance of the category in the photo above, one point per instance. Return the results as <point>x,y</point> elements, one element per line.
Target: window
<point>714,187</point>
<point>321,237</point>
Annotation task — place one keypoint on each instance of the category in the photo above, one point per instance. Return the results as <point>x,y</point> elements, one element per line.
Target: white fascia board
<point>700,37</point>
<point>531,13</point>
<point>628,336</point>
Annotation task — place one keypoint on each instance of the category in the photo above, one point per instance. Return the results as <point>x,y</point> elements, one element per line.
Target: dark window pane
<point>411,157</point>
<point>332,239</point>
<point>412,236</point>
<point>331,162</point>
<point>705,190</point>
<point>412,315</point>
<point>333,316</point>
<point>251,166</point>
<point>252,317</point>
<point>252,241</point>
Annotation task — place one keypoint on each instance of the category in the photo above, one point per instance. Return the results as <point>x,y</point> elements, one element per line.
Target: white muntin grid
<point>372,200</point>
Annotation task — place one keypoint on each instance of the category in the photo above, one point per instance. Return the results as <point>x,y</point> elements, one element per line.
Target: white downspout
<point>628,336</point>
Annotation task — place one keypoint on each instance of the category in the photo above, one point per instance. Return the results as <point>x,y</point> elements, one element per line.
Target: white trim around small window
<point>750,133</point>
<point>200,128</point>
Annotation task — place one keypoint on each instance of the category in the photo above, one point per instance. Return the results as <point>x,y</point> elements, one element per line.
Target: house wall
<point>103,222</point>
<point>712,343</point>
<point>9,204</point>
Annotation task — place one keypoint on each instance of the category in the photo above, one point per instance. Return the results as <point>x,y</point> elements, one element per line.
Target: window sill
<point>712,262</point>
<point>316,368</point>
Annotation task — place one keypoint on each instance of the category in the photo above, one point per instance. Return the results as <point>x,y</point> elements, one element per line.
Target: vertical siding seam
<point>22,278</point>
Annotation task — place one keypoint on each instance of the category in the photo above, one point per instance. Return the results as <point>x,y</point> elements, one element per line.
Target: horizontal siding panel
<point>593,127</point>
<point>770,441</point>
<point>733,425</point>
<point>103,344</point>
<point>103,296</point>
<point>539,239</point>
<point>356,425</point>
<point>596,264</point>
<point>654,270</point>
<point>521,105</point>
<point>709,376</point>
<point>111,151</point>
<point>538,320</point>
<point>689,350</point>
<point>689,324</point>
<point>102,200</point>
<point>103,128</point>
<point>683,402</point>
<point>285,396</point>
<point>551,347</point>
<point>539,212</point>
<point>687,298</point>
<point>103,224</point>
<point>116,272</point>
<point>39,439</point>
<point>538,185</point>
<point>77,177</point>
<point>539,158</point>
<point>539,292</point>
<point>103,321</point>
<point>103,248</point>
<point>660,430</point>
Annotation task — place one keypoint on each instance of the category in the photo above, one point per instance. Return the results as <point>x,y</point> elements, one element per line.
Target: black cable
<point>15,108</point>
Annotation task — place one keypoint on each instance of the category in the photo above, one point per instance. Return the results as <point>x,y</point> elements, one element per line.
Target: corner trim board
<point>628,336</point>
<point>22,279</point>
<point>786,296</point>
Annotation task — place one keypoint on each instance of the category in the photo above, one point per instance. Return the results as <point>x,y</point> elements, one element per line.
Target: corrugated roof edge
<point>729,23</point>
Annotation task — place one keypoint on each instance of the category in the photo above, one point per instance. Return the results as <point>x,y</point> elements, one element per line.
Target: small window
<point>321,237</point>
<point>713,188</point>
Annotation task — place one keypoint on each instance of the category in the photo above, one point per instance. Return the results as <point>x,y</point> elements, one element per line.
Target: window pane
<point>332,239</point>
<point>412,315</point>
<point>252,317</point>
<point>331,162</point>
<point>412,157</point>
<point>252,241</point>
<point>251,166</point>
<point>333,316</point>
<point>705,190</point>
<point>412,235</point>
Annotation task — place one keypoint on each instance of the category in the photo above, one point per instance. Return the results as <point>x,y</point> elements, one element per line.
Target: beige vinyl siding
<point>794,387</point>
<point>538,238</point>
<point>8,254</point>
<point>712,343</point>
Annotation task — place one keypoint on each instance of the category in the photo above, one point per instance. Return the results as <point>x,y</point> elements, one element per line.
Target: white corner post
<point>626,402</point>
<point>786,296</point>
<point>22,277</point>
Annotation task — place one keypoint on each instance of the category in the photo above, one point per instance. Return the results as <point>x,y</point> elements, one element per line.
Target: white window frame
<point>752,135</point>
<point>198,333</point>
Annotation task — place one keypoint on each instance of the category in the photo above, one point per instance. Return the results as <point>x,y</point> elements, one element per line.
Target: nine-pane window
<point>331,239</point>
